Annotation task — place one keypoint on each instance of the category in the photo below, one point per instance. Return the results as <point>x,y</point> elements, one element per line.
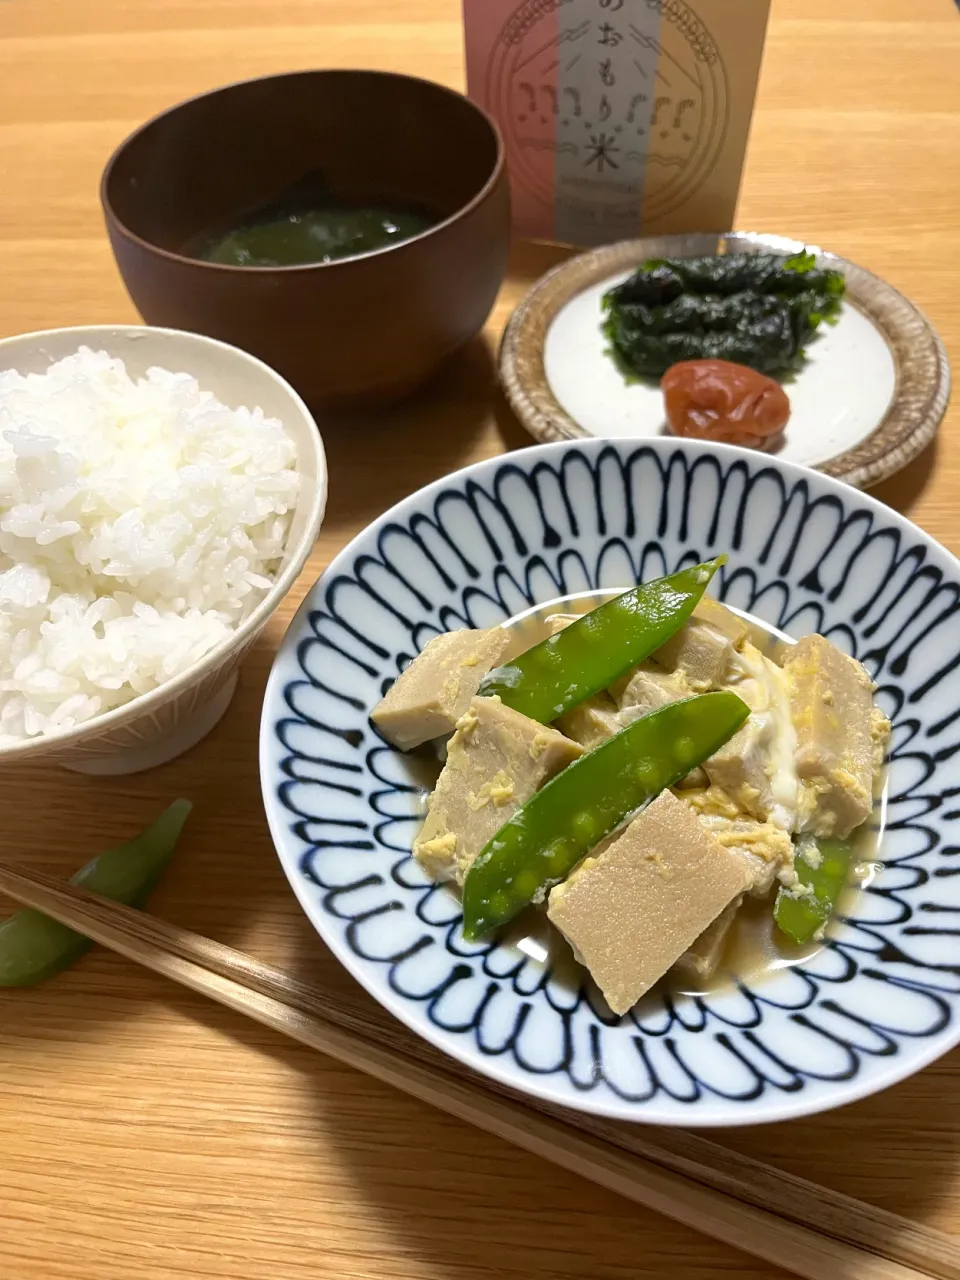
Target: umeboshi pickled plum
<point>724,402</point>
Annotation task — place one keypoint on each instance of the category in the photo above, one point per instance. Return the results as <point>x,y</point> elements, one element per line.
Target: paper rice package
<point>620,117</point>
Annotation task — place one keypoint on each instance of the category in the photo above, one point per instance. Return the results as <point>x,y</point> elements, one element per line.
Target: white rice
<point>140,523</point>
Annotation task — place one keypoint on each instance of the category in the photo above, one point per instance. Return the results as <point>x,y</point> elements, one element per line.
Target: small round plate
<point>870,396</point>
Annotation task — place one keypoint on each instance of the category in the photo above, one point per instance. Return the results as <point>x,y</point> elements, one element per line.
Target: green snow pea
<point>800,918</point>
<point>598,648</point>
<point>33,947</point>
<point>544,839</point>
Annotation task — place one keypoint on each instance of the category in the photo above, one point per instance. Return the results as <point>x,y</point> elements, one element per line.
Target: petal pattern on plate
<point>805,554</point>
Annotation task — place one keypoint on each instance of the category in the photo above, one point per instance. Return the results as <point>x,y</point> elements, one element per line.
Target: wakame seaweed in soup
<point>309,222</point>
<point>301,237</point>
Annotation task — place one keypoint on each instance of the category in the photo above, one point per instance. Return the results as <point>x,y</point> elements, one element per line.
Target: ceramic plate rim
<point>922,369</point>
<point>541,1088</point>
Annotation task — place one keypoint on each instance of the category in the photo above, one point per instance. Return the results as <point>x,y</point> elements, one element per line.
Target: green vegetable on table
<point>33,947</point>
<point>598,648</point>
<point>545,839</point>
<point>754,309</point>
<point>800,917</point>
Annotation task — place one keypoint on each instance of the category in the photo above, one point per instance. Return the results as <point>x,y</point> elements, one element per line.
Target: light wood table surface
<point>145,1133</point>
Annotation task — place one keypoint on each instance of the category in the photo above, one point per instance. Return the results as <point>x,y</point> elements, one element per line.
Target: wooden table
<point>144,1132</point>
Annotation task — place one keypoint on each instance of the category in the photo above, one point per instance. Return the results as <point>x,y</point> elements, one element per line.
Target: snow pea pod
<point>545,839</point>
<point>800,917</point>
<point>596,650</point>
<point>33,947</point>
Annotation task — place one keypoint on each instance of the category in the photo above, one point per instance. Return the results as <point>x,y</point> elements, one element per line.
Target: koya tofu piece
<point>591,722</point>
<point>431,695</point>
<point>496,760</point>
<point>724,620</point>
<point>702,960</point>
<point>704,647</point>
<point>631,911</point>
<point>695,780</point>
<point>647,688</point>
<point>740,768</point>
<point>841,736</point>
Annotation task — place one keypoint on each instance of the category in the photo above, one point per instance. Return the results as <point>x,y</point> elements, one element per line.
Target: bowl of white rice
<point>159,494</point>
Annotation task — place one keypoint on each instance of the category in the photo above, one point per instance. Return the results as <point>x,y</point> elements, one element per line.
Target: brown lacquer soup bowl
<point>360,331</point>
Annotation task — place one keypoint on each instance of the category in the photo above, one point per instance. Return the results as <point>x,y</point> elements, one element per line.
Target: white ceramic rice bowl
<point>159,725</point>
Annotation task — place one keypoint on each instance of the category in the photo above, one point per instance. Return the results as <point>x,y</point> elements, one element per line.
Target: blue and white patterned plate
<point>806,554</point>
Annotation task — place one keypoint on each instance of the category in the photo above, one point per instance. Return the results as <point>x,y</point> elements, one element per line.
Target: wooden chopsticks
<point>786,1220</point>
